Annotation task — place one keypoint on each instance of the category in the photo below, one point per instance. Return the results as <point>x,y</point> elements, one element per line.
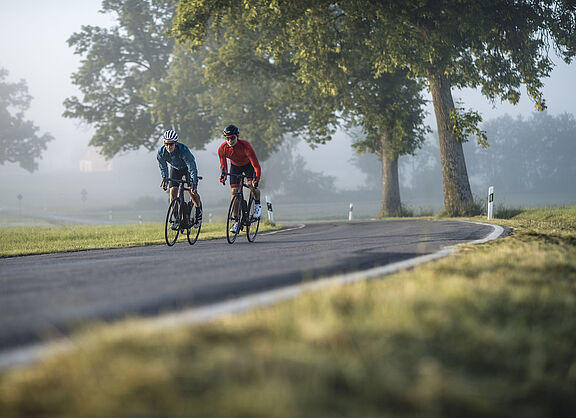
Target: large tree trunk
<point>391,205</point>
<point>458,199</point>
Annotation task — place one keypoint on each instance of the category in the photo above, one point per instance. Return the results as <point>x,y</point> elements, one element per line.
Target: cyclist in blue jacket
<point>176,162</point>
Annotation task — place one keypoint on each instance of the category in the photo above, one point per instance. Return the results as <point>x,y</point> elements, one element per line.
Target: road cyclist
<point>177,162</point>
<point>241,213</point>
<point>243,161</point>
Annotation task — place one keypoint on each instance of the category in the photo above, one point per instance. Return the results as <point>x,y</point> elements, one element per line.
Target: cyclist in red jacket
<point>243,160</point>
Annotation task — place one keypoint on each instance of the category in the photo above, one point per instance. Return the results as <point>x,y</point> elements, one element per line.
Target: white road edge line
<point>29,354</point>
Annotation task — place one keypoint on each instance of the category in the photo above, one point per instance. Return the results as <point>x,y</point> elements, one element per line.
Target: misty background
<point>530,161</point>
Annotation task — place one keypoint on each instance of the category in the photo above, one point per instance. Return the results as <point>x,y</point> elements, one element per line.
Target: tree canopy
<point>330,83</point>
<point>116,74</point>
<point>136,83</point>
<point>494,45</point>
<point>19,139</point>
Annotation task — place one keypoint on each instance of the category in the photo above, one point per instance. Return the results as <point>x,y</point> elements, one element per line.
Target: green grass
<point>487,332</point>
<point>51,239</point>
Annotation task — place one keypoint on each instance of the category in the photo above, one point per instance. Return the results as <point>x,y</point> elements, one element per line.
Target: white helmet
<point>170,135</point>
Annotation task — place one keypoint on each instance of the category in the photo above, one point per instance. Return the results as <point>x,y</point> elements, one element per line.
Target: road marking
<point>284,230</point>
<point>31,353</point>
<point>271,297</point>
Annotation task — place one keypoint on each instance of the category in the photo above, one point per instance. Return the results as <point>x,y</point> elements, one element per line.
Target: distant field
<point>487,332</point>
<point>283,212</point>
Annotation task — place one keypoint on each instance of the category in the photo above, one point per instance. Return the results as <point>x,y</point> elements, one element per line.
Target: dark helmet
<point>231,130</point>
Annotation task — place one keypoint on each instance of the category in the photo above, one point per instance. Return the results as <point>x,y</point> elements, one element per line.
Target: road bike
<point>179,217</point>
<point>241,212</point>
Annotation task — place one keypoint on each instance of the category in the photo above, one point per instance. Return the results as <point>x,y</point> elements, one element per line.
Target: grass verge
<point>490,331</point>
<point>16,241</point>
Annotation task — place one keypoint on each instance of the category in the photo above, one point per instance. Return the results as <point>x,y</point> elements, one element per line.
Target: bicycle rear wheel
<point>252,224</point>
<point>232,220</point>
<point>192,233</point>
<point>172,224</point>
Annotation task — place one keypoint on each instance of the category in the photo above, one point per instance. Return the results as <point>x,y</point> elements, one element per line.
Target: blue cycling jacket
<point>180,158</point>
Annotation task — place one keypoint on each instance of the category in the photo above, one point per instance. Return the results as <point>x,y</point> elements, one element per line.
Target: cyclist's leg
<point>255,192</point>
<point>235,185</point>
<point>236,210</point>
<point>195,199</point>
<point>173,193</point>
<point>251,173</point>
<point>174,173</point>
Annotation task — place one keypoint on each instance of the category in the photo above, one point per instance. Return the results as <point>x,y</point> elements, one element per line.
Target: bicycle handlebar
<point>183,181</point>
<point>240,176</point>
<point>180,180</point>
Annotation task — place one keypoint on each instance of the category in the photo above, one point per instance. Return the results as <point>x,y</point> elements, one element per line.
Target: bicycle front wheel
<point>232,220</point>
<point>192,232</point>
<point>172,224</point>
<point>252,224</point>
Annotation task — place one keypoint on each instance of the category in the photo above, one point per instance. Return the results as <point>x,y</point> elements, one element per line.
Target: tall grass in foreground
<point>488,332</point>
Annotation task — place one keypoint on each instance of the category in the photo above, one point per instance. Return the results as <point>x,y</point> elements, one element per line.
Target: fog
<point>34,49</point>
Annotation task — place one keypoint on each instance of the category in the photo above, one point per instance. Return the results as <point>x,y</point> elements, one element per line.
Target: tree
<point>332,84</point>
<point>136,83</point>
<point>492,44</point>
<point>19,141</point>
<point>118,71</point>
<point>390,115</point>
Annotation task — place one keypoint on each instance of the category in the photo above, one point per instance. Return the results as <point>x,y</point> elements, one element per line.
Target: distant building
<point>92,162</point>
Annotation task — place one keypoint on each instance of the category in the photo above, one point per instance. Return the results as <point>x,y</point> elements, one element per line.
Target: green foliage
<point>181,99</point>
<point>497,46</point>
<point>465,124</point>
<point>19,141</point>
<point>248,90</point>
<point>136,83</point>
<point>118,68</point>
<point>505,212</point>
<point>320,51</point>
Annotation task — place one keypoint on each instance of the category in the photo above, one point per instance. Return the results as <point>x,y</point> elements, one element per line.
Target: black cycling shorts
<point>175,173</point>
<point>245,169</point>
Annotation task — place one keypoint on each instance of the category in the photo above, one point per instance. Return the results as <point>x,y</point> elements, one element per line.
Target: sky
<point>34,48</point>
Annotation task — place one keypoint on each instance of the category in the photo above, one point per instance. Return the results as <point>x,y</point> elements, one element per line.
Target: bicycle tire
<point>172,215</point>
<point>194,235</point>
<point>252,224</point>
<point>231,220</point>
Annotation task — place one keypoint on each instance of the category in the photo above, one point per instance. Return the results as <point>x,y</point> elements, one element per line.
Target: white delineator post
<point>350,212</point>
<point>490,201</point>
<point>270,211</point>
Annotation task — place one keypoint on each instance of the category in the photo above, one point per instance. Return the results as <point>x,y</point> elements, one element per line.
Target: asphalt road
<point>43,296</point>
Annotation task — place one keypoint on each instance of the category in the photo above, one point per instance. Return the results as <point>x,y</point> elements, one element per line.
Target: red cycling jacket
<point>240,154</point>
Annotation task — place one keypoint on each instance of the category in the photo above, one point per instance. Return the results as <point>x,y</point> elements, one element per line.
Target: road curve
<point>44,296</point>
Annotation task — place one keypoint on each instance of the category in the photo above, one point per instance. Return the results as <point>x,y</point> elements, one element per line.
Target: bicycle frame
<point>180,193</point>
<point>241,214</point>
<point>240,194</point>
<point>176,219</point>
